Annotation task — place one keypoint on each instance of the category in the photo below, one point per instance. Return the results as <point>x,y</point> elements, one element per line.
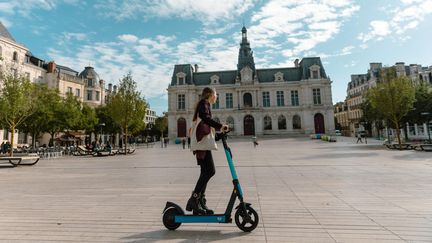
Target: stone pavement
<point>304,190</point>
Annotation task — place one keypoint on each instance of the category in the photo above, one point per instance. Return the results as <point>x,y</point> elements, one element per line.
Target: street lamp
<point>427,124</point>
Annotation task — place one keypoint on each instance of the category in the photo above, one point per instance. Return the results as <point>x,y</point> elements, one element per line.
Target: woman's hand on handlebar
<point>225,128</point>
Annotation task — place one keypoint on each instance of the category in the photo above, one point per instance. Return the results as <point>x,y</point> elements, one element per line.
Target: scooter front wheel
<point>169,218</point>
<point>247,224</point>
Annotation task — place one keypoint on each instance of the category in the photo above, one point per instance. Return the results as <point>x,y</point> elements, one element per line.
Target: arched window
<point>282,122</point>
<point>296,122</point>
<point>267,123</point>
<point>247,100</point>
<point>230,123</point>
<point>15,56</point>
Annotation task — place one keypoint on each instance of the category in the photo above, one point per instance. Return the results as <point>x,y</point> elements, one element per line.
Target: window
<point>69,90</point>
<point>181,102</point>
<point>230,123</point>
<point>216,104</point>
<point>316,96</point>
<point>89,95</point>
<point>296,122</point>
<point>280,98</point>
<point>315,74</point>
<point>78,92</point>
<point>15,56</point>
<point>229,100</point>
<point>181,81</point>
<point>90,82</point>
<point>97,95</point>
<point>267,123</point>
<point>294,98</point>
<point>247,100</point>
<point>282,122</point>
<point>266,99</point>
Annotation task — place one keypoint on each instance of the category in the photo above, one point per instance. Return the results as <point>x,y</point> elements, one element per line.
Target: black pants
<point>207,172</point>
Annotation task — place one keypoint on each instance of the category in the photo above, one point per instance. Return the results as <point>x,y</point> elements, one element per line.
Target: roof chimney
<point>115,88</point>
<point>196,68</point>
<point>51,67</point>
<point>296,63</point>
<point>110,87</point>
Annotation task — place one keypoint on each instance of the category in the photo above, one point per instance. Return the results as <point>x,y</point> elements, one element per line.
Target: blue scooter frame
<point>246,217</point>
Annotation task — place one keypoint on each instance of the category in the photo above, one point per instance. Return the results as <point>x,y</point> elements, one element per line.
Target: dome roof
<point>88,73</point>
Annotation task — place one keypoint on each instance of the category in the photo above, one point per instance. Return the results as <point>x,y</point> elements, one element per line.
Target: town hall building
<point>254,102</point>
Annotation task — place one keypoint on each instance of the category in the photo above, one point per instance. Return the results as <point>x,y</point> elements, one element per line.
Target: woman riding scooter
<point>197,202</point>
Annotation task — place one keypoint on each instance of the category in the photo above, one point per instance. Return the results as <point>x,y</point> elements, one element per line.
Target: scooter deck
<point>215,218</point>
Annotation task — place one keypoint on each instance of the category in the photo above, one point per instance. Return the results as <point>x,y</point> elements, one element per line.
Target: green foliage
<point>16,102</point>
<point>161,125</point>
<point>423,104</point>
<point>88,119</point>
<point>392,98</point>
<point>103,115</point>
<point>126,107</point>
<point>39,121</point>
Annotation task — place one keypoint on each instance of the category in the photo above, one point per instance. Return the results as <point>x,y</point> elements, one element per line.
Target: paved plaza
<point>304,190</point>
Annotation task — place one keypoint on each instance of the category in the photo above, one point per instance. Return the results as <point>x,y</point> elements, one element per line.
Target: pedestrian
<point>359,137</point>
<point>162,142</point>
<point>184,143</point>
<point>202,114</point>
<point>189,141</point>
<point>254,141</point>
<point>165,142</point>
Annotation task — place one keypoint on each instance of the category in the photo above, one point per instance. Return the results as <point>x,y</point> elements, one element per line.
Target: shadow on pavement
<point>185,235</point>
<point>338,156</point>
<point>355,147</point>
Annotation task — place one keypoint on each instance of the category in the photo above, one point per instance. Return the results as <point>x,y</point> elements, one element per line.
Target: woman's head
<point>209,94</point>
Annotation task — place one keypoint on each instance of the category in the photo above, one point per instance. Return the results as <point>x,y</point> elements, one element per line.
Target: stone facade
<point>360,83</point>
<point>16,59</point>
<point>275,101</point>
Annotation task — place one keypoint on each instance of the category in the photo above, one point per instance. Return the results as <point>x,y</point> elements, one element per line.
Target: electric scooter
<point>246,218</point>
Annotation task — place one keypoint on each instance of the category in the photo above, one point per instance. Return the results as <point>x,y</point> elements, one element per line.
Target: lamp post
<point>427,114</point>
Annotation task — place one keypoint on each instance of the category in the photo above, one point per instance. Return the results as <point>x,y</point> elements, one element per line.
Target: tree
<point>45,99</point>
<point>422,104</point>
<point>16,102</point>
<point>88,119</point>
<point>371,116</point>
<point>66,115</point>
<point>126,107</point>
<point>161,125</point>
<point>393,97</point>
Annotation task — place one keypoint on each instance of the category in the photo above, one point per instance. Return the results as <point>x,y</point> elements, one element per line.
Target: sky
<point>148,37</point>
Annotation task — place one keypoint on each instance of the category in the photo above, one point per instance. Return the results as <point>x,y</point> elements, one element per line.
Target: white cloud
<point>305,24</point>
<point>406,17</point>
<point>151,60</point>
<point>128,38</point>
<point>214,15</point>
<point>379,29</point>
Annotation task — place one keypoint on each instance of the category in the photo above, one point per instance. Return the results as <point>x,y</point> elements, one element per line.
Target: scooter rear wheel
<point>168,218</point>
<point>240,219</point>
